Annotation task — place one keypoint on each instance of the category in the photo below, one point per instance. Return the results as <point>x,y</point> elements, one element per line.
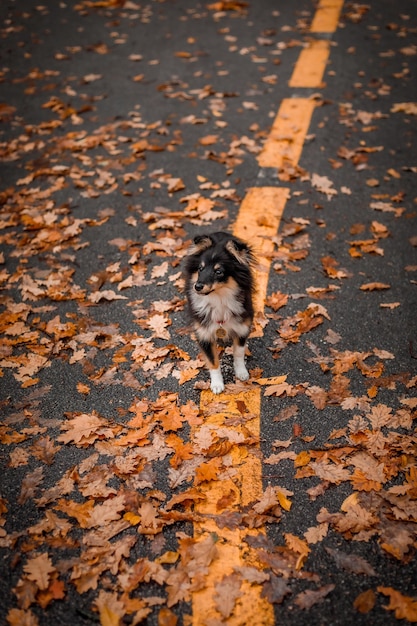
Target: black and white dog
<point>219,286</point>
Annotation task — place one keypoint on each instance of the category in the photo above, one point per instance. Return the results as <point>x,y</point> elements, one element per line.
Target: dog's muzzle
<point>202,288</point>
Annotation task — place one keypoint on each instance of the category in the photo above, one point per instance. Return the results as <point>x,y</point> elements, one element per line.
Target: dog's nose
<point>198,286</point>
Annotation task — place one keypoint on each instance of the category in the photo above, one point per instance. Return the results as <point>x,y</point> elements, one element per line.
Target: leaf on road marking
<point>228,590</point>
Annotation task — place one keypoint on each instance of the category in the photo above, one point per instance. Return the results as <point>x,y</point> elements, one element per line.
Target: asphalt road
<point>125,130</point>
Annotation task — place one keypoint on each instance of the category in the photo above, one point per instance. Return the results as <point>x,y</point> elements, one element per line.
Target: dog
<point>219,285</point>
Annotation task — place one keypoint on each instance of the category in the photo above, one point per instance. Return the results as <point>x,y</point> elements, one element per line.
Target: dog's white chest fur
<point>219,310</point>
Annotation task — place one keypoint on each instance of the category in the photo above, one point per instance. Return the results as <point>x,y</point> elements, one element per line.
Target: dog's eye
<point>201,267</point>
<point>218,272</point>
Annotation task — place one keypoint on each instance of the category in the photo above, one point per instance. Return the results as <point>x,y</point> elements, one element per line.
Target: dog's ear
<point>240,251</point>
<point>201,243</point>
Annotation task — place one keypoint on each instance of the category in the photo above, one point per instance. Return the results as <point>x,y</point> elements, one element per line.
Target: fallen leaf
<point>228,590</point>
<point>404,606</point>
<point>306,599</point>
<point>374,286</point>
<point>39,569</point>
<point>352,563</point>
<point>365,601</point>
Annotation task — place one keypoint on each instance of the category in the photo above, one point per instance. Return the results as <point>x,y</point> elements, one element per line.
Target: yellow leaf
<point>132,518</point>
<point>274,380</point>
<point>303,458</point>
<point>108,617</point>
<point>167,558</point>
<point>283,500</point>
<point>350,501</point>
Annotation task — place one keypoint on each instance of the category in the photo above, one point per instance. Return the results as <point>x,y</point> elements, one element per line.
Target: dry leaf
<point>227,592</point>
<point>351,562</point>
<point>374,286</point>
<point>404,606</point>
<point>365,601</point>
<point>306,599</point>
<point>39,570</point>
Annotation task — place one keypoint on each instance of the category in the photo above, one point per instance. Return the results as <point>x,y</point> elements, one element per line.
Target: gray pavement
<point>125,130</point>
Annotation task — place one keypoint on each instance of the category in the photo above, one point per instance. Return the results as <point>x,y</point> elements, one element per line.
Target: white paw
<point>217,388</point>
<point>216,384</point>
<point>241,372</point>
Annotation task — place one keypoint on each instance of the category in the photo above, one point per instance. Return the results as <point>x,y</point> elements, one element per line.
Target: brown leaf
<point>307,599</point>
<point>286,413</point>
<point>30,484</point>
<point>330,471</point>
<point>208,471</point>
<point>166,617</point>
<point>55,591</point>
<point>404,606</point>
<point>227,592</point>
<point>219,448</point>
<point>276,300</point>
<point>84,428</point>
<point>374,286</point>
<point>39,570</point>
<point>20,617</point>
<point>299,546</point>
<point>111,610</point>
<point>44,449</point>
<point>275,589</point>
<point>330,266</point>
<point>208,140</point>
<point>365,601</point>
<point>315,534</point>
<point>351,562</point>
<point>324,185</point>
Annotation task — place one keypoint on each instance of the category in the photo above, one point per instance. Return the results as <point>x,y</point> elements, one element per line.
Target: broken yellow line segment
<point>257,222</point>
<point>284,144</point>
<point>238,485</point>
<point>311,63</point>
<point>326,16</point>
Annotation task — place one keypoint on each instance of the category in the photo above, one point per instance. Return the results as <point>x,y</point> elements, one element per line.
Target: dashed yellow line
<point>326,16</point>
<point>240,481</point>
<point>258,220</point>
<point>309,69</point>
<point>285,142</point>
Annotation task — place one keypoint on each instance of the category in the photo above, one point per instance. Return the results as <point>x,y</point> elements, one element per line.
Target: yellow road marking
<point>240,482</point>
<point>326,16</point>
<point>257,222</point>
<point>285,142</point>
<point>241,478</point>
<point>311,63</point>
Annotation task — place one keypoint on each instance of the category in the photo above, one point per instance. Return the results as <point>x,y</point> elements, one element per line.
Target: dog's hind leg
<point>210,352</point>
<point>239,345</point>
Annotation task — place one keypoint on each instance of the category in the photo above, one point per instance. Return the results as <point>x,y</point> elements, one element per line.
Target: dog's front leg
<point>239,345</point>
<point>210,352</point>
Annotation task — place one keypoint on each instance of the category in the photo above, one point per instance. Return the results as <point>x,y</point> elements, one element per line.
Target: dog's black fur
<point>219,287</point>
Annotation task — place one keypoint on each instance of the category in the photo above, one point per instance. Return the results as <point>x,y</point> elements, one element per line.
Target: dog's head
<point>219,260</point>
